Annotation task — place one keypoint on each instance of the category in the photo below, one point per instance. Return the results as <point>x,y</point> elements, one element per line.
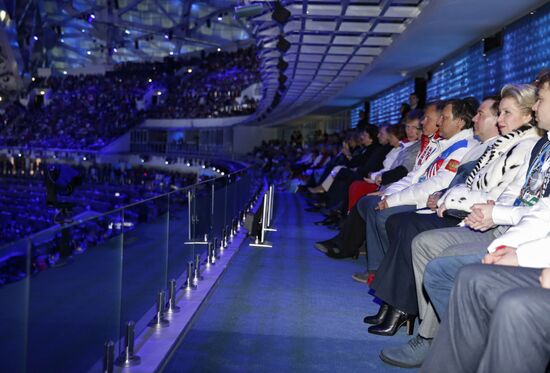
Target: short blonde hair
<point>524,94</point>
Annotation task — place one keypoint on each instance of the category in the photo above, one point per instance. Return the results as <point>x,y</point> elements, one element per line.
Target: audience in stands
<point>106,187</point>
<point>88,112</point>
<point>487,178</point>
<point>474,176</point>
<point>505,304</point>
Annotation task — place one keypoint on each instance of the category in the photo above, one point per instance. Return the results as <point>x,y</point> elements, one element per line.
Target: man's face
<point>429,123</point>
<point>485,122</point>
<point>413,100</point>
<point>448,125</point>
<point>542,107</point>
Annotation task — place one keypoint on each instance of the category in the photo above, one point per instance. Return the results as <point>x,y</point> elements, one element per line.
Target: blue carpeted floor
<point>286,308</point>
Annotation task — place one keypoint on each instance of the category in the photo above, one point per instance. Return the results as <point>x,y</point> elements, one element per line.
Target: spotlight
<point>282,65</point>
<point>283,45</point>
<point>280,14</point>
<point>35,38</point>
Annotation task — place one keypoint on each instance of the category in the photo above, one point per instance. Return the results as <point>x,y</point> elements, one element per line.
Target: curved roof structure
<point>340,52</point>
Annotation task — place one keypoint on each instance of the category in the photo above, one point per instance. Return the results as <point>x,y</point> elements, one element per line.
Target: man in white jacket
<point>435,173</point>
<point>529,205</point>
<point>497,319</point>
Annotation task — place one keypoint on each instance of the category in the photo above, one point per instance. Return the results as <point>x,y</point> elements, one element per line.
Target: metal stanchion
<point>108,357</point>
<point>270,196</point>
<point>127,357</point>
<point>211,257</point>
<point>192,220</point>
<point>172,308</point>
<point>218,244</point>
<point>224,238</point>
<point>159,321</point>
<point>197,273</point>
<point>221,246</point>
<point>260,241</point>
<point>240,220</point>
<point>216,248</point>
<point>189,281</point>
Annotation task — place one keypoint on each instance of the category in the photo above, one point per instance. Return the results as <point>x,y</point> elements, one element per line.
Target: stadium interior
<point>173,175</point>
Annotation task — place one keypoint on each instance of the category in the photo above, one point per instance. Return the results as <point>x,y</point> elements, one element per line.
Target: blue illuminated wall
<point>525,51</point>
<point>384,108</point>
<point>354,115</point>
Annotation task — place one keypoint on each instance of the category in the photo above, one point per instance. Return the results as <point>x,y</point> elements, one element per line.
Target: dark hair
<point>464,109</point>
<point>438,104</point>
<point>397,130</point>
<point>496,102</point>
<point>372,131</point>
<point>415,114</point>
<point>542,78</point>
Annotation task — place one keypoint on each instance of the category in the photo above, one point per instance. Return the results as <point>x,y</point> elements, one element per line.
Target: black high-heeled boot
<point>392,322</point>
<point>379,317</point>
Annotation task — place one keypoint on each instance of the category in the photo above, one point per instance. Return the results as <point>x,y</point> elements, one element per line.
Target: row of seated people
<point>23,195</point>
<point>88,112</point>
<point>461,240</point>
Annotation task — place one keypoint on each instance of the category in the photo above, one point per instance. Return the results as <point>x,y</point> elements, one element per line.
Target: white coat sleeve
<point>533,225</point>
<point>417,194</point>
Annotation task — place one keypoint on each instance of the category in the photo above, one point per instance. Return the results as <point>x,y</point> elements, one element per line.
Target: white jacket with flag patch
<point>434,174</point>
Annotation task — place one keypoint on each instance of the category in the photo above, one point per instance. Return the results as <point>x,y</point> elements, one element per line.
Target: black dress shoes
<point>331,220</point>
<point>379,317</point>
<point>325,246</point>
<point>393,320</point>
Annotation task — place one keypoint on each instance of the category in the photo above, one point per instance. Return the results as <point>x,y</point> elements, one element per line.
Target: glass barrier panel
<point>203,210</point>
<point>144,263</point>
<point>180,251</point>
<point>219,221</point>
<point>15,263</point>
<point>74,293</point>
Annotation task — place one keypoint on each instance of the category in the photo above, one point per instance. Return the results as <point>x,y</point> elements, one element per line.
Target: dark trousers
<point>352,233</point>
<point>337,195</point>
<point>394,282</point>
<point>498,321</point>
<point>377,241</point>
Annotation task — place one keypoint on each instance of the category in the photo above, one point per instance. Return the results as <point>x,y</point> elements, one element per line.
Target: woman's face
<point>412,129</point>
<point>511,117</point>
<point>383,136</point>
